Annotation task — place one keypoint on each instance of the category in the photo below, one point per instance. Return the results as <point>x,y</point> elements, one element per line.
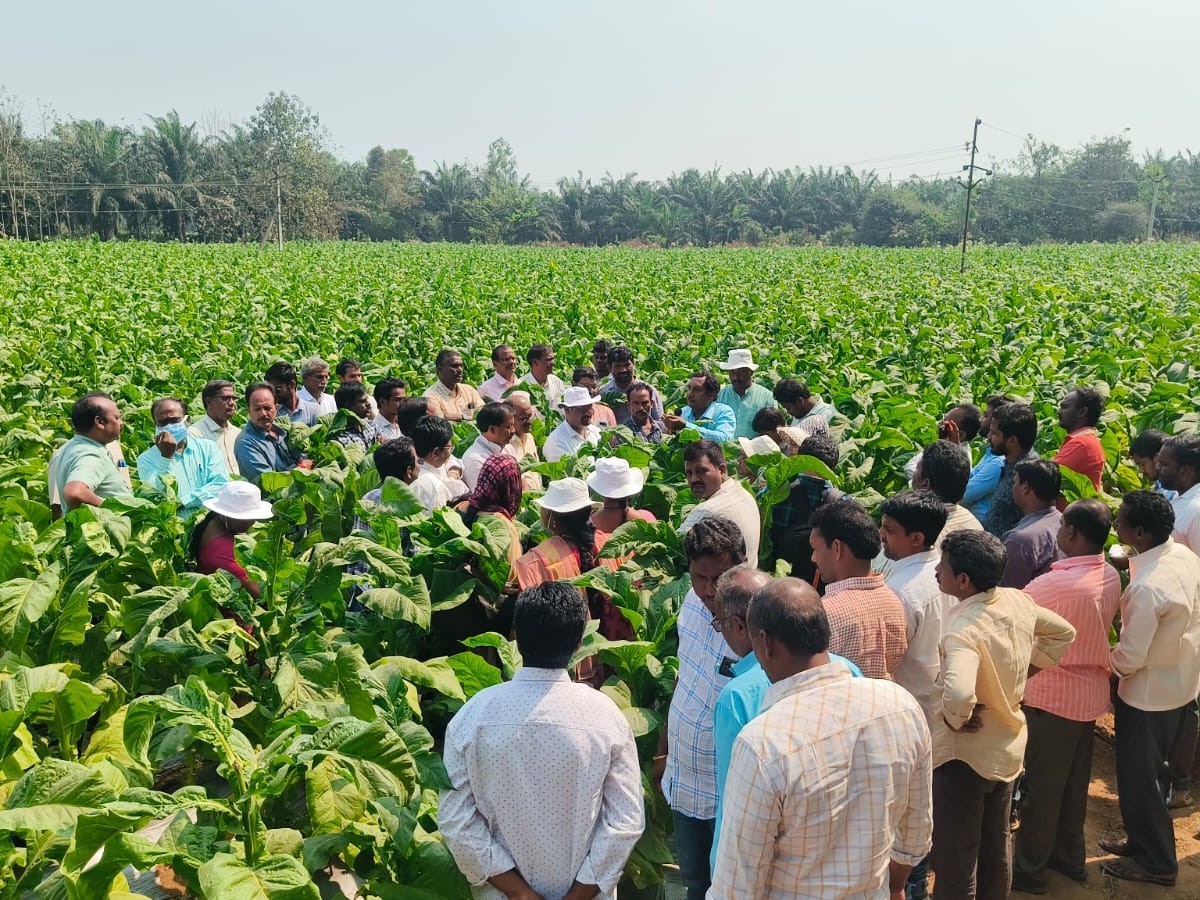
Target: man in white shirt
<point>576,428</point>
<point>1178,464</point>
<point>828,792</point>
<point>314,372</point>
<point>541,373</point>
<point>389,394</point>
<point>220,403</point>
<point>504,361</point>
<point>1157,661</point>
<point>495,424</point>
<point>546,792</point>
<point>719,495</point>
<point>433,442</point>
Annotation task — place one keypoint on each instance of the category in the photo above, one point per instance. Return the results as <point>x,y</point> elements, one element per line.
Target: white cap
<point>565,495</point>
<point>759,446</point>
<point>739,359</point>
<point>240,500</point>
<point>577,396</point>
<point>614,478</point>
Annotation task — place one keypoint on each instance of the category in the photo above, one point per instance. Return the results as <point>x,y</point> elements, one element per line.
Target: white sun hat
<point>759,446</point>
<point>240,500</point>
<point>615,479</point>
<point>565,495</point>
<point>577,396</point>
<point>739,359</point>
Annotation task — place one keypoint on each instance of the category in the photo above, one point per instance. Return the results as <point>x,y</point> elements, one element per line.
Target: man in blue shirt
<point>282,378</point>
<point>715,421</point>
<point>197,465</point>
<point>986,475</point>
<point>742,698</point>
<point>263,447</point>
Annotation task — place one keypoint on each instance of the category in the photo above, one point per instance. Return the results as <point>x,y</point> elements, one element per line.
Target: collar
<point>260,432</point>
<point>704,415</point>
<point>207,418</point>
<point>1087,561</point>
<point>1036,514</point>
<point>916,561</point>
<point>1086,429</point>
<point>745,664</point>
<point>1149,557</point>
<point>856,583</point>
<point>983,598</point>
<point>488,445</point>
<point>532,673</point>
<point>509,381</point>
<point>1190,494</point>
<point>804,681</point>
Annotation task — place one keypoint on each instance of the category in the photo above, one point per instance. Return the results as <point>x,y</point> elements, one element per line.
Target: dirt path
<point>1104,820</point>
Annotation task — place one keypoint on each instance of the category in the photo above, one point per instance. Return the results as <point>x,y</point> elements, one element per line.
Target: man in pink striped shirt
<point>1062,703</point>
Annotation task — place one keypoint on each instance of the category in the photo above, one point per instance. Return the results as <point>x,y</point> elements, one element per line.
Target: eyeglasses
<point>226,399</point>
<point>719,623</point>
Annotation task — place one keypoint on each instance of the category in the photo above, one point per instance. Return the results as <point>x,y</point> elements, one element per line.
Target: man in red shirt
<point>1079,413</point>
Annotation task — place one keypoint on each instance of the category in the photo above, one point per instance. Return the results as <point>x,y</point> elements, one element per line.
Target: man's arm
<point>1138,624</point>
<point>961,670</point>
<point>1018,571</point>
<point>619,825</point>
<point>983,481</point>
<point>749,829</point>
<point>466,833</point>
<point>252,461</point>
<point>1052,635</point>
<point>77,493</point>
<point>914,827</point>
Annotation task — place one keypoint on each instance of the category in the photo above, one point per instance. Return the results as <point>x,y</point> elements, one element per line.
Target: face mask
<point>177,430</point>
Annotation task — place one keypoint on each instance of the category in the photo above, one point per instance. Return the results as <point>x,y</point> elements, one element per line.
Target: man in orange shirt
<point>1079,413</point>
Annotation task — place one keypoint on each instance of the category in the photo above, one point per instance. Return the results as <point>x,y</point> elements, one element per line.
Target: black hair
<point>914,511</point>
<point>715,536</point>
<point>444,356</point>
<point>620,354</point>
<point>496,351</point>
<point>789,390</point>
<point>1186,450</point>
<point>348,392</point>
<point>947,470</point>
<point>161,400</point>
<point>1090,518</point>
<point>995,401</point>
<point>281,371</point>
<point>711,385</point>
<point>412,410</point>
<point>640,386</point>
<point>254,387</point>
<point>1147,444</point>
<point>790,611</point>
<point>1092,402</point>
<point>766,420</point>
<point>347,365</point>
<point>576,528</point>
<point>549,620</point>
<point>978,555</point>
<point>971,416</point>
<point>1149,511</point>
<point>705,449</point>
<point>1017,420</point>
<point>603,345</point>
<point>393,458</point>
<point>846,521</point>
<point>86,411</point>
<point>385,386</point>
<point>212,389</point>
<point>493,414</point>
<point>1042,476</point>
<point>822,447</point>
<point>583,372</point>
<point>430,433</point>
<point>536,352</point>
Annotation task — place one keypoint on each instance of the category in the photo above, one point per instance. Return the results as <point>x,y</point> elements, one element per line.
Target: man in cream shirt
<point>220,403</point>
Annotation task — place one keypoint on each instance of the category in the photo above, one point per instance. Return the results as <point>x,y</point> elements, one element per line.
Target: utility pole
<point>970,185</point>
<point>279,209</point>
<point>1158,179</point>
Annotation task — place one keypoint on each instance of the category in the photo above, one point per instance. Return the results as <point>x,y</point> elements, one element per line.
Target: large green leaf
<point>272,878</point>
<point>53,795</point>
<point>22,602</point>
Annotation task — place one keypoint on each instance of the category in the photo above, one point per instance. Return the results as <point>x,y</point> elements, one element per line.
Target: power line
<point>1093,209</point>
<point>1005,130</point>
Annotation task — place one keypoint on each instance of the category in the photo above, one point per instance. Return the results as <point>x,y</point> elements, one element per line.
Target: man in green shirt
<point>84,470</point>
<point>742,395</point>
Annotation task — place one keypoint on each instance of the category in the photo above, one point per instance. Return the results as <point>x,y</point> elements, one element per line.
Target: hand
<point>674,423</point>
<point>974,723</point>
<point>657,770</point>
<point>582,891</point>
<point>896,894</point>
<point>166,444</point>
<point>948,430</point>
<point>305,464</point>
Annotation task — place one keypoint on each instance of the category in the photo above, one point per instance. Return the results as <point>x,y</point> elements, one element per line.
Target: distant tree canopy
<point>171,182</point>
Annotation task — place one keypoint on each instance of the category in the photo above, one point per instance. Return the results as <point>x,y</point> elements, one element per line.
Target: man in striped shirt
<point>1061,704</point>
<point>828,792</point>
<point>866,618</point>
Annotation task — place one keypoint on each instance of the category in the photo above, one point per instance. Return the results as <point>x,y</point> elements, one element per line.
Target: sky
<point>650,87</point>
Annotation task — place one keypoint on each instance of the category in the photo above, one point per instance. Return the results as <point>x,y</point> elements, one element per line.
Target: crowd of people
<point>841,731</point>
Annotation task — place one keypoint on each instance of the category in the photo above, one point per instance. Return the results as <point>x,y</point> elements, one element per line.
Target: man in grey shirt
<point>1032,544</point>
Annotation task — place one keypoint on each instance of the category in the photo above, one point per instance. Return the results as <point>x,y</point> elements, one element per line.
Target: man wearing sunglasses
<point>216,425</point>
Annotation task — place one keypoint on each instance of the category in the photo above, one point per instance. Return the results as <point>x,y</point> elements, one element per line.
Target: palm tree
<point>104,159</point>
<point>447,191</point>
<point>176,151</point>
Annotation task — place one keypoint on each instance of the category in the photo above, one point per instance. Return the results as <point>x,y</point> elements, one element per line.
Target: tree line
<point>275,176</point>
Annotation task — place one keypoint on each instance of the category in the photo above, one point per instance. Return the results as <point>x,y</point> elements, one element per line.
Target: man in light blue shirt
<point>197,465</point>
<point>742,698</point>
<point>742,395</point>
<point>83,470</point>
<point>282,377</point>
<point>986,475</point>
<point>715,421</point>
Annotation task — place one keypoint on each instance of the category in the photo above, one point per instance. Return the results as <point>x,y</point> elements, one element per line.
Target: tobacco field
<point>126,698</point>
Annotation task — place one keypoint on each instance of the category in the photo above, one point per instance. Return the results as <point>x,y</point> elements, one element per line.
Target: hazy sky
<point>649,87</point>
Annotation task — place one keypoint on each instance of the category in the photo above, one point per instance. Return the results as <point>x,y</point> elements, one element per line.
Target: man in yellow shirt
<point>455,400</point>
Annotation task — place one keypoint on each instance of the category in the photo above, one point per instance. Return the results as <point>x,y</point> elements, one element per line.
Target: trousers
<point>972,852</point>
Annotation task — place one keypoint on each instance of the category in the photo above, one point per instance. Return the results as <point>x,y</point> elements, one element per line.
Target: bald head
<point>789,612</point>
<point>737,586</point>
<point>522,411</point>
